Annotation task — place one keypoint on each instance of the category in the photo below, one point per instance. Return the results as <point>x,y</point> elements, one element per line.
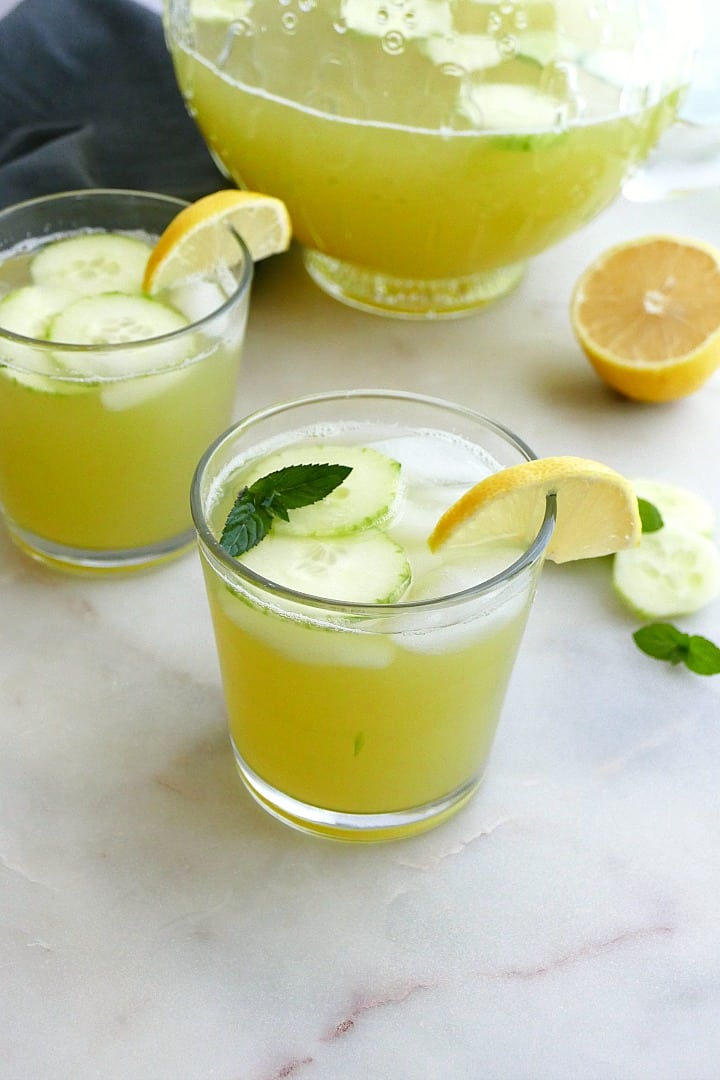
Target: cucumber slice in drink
<point>509,107</point>
<point>677,505</point>
<point>365,568</point>
<point>523,117</point>
<point>28,311</point>
<point>363,499</point>
<point>674,571</point>
<point>299,638</point>
<point>93,263</point>
<point>113,319</point>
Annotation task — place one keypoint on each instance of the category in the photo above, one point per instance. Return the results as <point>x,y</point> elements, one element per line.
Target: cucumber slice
<point>93,263</point>
<point>470,52</point>
<point>509,107</point>
<point>304,641</point>
<point>112,319</point>
<point>363,499</point>
<point>29,367</point>
<point>523,117</point>
<point>366,568</point>
<point>28,311</point>
<point>677,505</point>
<point>674,571</point>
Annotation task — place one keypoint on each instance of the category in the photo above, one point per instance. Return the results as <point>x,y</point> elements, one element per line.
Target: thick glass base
<point>88,562</point>
<point>404,298</point>
<point>355,828</point>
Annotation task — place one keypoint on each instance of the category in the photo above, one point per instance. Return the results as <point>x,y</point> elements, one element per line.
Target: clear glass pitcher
<point>426,149</point>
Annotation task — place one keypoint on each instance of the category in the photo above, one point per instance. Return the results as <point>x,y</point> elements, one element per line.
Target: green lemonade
<point>101,460</point>
<point>366,715</point>
<point>492,163</point>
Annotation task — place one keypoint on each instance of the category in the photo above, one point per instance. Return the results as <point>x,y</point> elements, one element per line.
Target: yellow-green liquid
<point>101,464</point>
<point>377,163</point>
<point>85,476</point>
<point>353,738</point>
<point>385,712</point>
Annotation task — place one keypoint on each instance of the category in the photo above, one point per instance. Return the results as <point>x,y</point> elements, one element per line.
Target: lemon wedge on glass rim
<point>596,509</point>
<point>197,238</point>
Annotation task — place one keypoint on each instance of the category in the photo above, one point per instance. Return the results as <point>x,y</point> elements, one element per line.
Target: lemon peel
<point>198,237</point>
<point>596,509</point>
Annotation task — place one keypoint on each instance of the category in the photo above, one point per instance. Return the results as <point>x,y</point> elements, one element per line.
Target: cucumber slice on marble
<point>677,505</point>
<point>674,571</point>
<point>364,498</point>
<point>364,568</point>
<point>92,263</point>
<point>114,319</point>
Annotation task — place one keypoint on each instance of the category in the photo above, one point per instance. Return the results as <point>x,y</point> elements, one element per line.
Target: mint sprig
<point>663,641</point>
<point>273,496</point>
<point>651,519</point>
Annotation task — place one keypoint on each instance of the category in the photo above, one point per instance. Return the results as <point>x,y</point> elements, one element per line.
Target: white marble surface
<point>155,924</point>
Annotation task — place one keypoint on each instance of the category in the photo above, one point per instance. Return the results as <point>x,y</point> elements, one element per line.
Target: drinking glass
<point>95,469</point>
<point>368,721</point>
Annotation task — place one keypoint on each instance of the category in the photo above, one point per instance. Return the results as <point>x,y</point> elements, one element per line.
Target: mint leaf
<point>273,496</point>
<point>299,485</point>
<point>246,525</point>
<point>663,641</point>
<point>703,656</point>
<point>650,517</point>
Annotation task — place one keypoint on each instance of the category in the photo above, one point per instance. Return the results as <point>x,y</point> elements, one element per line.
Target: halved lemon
<point>647,315</point>
<point>597,509</point>
<point>197,238</point>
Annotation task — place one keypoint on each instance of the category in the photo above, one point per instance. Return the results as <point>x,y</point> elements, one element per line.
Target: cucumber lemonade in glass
<point>108,396</point>
<point>364,675</point>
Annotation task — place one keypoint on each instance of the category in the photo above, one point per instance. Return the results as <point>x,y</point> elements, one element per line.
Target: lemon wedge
<point>647,315</point>
<point>197,238</point>
<point>596,509</point>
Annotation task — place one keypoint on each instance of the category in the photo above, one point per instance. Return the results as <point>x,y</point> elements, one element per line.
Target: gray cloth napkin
<point>88,98</point>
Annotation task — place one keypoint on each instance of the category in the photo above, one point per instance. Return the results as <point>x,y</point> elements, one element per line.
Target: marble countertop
<point>156,925</point>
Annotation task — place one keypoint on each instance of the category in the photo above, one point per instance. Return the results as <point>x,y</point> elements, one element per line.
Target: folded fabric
<point>88,98</point>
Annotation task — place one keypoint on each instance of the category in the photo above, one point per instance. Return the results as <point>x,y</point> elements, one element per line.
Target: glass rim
<point>43,345</point>
<point>532,552</point>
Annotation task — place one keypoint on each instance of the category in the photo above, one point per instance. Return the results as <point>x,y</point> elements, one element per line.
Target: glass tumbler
<point>367,720</point>
<point>98,442</point>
